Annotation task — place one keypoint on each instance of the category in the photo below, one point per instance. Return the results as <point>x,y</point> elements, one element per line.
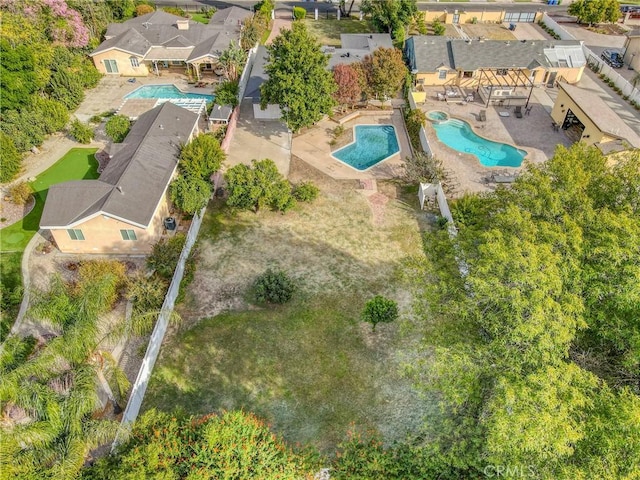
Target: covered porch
<point>504,87</point>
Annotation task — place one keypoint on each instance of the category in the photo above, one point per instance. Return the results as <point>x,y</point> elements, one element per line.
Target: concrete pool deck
<point>533,133</point>
<point>313,147</point>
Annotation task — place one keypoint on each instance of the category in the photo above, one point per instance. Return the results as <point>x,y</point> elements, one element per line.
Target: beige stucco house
<point>632,49</point>
<point>587,118</point>
<point>161,41</point>
<point>500,71</point>
<point>123,211</point>
<point>473,14</point>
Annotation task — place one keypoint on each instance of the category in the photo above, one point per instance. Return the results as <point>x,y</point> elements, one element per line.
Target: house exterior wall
<point>102,235</point>
<point>433,78</point>
<point>446,16</point>
<point>632,52</point>
<point>123,60</point>
<point>591,134</point>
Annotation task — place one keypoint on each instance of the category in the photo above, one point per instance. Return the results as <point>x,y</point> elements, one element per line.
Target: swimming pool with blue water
<point>372,144</point>
<point>459,135</point>
<point>165,91</point>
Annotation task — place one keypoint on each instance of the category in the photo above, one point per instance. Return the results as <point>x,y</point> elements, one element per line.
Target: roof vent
<point>146,25</point>
<point>119,188</point>
<point>161,127</point>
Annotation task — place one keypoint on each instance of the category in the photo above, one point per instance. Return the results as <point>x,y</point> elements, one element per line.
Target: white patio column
<point>338,14</point>
<point>315,14</point>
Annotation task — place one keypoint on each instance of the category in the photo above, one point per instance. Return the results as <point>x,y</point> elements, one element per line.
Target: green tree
<point>258,186</point>
<point>117,127</point>
<point>201,158</point>
<point>164,445</point>
<point>390,15</point>
<point>227,93</point>
<point>379,310</point>
<point>18,79</point>
<point>298,79</point>
<point>122,9</point>
<point>24,132</point>
<point>11,159</point>
<point>595,11</point>
<point>233,60</point>
<point>51,115</point>
<point>190,194</point>
<point>252,30</point>
<point>305,192</point>
<point>384,72</point>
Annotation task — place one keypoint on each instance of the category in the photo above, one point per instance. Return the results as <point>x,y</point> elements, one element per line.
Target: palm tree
<point>232,60</point>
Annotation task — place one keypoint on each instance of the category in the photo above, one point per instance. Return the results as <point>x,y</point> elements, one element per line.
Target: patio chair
<point>518,112</point>
<point>441,97</point>
<point>132,80</point>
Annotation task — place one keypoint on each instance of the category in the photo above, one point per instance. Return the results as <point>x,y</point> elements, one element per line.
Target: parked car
<point>613,58</point>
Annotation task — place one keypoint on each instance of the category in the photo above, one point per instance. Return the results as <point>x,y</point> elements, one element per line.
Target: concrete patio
<point>533,132</point>
<point>313,146</point>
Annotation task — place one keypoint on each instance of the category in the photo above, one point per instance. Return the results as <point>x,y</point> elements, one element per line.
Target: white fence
<point>246,73</point>
<point>619,81</point>
<point>153,349</point>
<point>599,65</point>
<point>553,25</point>
<point>424,141</point>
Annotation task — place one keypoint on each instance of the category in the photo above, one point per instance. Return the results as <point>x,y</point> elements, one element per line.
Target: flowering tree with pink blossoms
<point>66,26</point>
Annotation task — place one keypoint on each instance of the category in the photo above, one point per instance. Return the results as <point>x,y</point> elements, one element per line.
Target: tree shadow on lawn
<point>311,368</point>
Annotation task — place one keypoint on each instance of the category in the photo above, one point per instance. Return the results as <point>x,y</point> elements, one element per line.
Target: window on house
<point>75,234</point>
<point>176,62</point>
<point>134,62</point>
<point>128,235</point>
<point>442,74</point>
<point>421,81</point>
<point>467,74</point>
<point>111,66</point>
<point>501,71</point>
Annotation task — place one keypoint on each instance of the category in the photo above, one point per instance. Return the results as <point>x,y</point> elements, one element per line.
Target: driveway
<point>259,139</point>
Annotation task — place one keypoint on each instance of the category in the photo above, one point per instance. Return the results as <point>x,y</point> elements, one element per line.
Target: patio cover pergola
<point>494,80</point>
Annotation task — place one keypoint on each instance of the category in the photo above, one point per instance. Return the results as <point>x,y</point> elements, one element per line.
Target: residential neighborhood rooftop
<point>136,178</point>
<point>429,53</point>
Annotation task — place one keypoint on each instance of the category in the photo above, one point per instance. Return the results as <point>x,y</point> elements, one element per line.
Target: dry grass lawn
<point>310,367</point>
<point>490,31</point>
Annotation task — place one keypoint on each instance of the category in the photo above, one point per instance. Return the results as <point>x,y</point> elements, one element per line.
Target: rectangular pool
<point>166,92</point>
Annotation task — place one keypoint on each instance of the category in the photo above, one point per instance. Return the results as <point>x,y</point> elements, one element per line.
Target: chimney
<point>182,24</point>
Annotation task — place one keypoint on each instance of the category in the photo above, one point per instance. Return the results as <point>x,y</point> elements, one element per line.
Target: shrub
<point>20,193</point>
<point>414,120</point>
<point>165,255</point>
<point>111,273</point>
<point>117,127</point>
<point>299,13</point>
<point>143,10</point>
<point>146,293</point>
<point>438,28</point>
<point>175,11</point>
<point>11,159</point>
<point>81,132</point>
<point>274,286</point>
<point>380,309</point>
<point>202,157</point>
<point>306,192</point>
<point>51,115</point>
<point>207,12</point>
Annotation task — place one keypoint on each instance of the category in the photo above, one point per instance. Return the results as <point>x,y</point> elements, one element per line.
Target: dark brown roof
<point>136,178</point>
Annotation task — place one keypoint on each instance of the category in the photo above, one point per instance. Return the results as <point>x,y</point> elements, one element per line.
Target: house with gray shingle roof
<point>160,40</point>
<point>440,61</point>
<point>123,210</point>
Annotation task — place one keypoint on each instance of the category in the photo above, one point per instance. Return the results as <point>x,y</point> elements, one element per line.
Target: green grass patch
<point>78,163</point>
<point>265,37</point>
<point>11,288</point>
<point>328,31</point>
<point>305,367</point>
<point>199,17</point>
